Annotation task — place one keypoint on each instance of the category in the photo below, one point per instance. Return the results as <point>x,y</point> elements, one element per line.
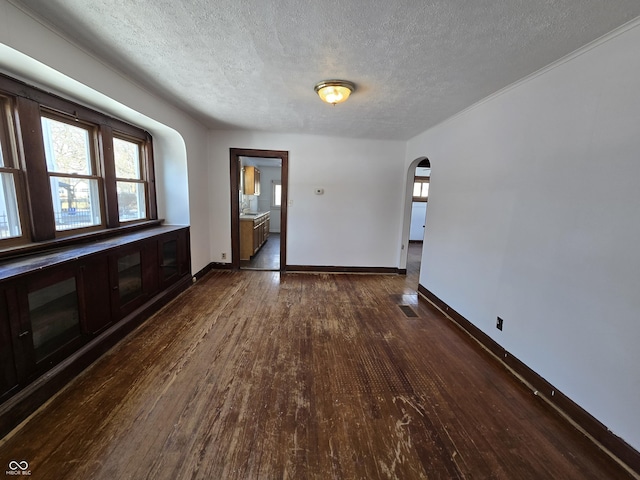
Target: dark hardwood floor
<point>253,375</point>
<point>267,258</point>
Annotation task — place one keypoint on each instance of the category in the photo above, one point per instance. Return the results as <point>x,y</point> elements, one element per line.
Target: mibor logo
<point>18,468</point>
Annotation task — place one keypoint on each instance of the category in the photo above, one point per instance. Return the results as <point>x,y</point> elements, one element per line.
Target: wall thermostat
<point>319,191</point>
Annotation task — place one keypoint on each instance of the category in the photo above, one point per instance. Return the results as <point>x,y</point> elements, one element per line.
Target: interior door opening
<point>414,225</point>
<point>259,182</point>
<point>419,202</point>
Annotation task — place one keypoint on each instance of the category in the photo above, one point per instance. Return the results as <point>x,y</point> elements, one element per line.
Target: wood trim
<point>214,266</point>
<point>38,187</point>
<point>67,107</point>
<point>613,445</point>
<point>30,398</point>
<point>336,269</point>
<point>284,202</point>
<point>234,177</point>
<point>105,142</point>
<point>12,154</point>
<point>234,170</point>
<point>149,161</point>
<point>29,103</point>
<point>77,239</point>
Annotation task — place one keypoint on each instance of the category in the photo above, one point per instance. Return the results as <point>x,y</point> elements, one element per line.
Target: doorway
<point>259,187</point>
<point>419,201</point>
<point>417,189</point>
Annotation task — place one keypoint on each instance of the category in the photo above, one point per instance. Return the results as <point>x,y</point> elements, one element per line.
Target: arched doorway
<point>416,196</point>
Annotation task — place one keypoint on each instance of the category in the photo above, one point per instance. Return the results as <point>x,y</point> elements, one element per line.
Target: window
<point>131,186</point>
<point>81,171</point>
<point>10,221</point>
<point>75,185</point>
<point>421,189</point>
<point>276,194</point>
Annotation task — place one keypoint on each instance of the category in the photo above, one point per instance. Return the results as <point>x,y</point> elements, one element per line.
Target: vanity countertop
<point>252,215</point>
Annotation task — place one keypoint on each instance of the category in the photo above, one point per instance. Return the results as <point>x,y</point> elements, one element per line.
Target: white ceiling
<point>252,64</point>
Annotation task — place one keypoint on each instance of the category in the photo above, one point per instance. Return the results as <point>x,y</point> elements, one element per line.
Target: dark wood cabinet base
<point>29,399</point>
<point>61,310</point>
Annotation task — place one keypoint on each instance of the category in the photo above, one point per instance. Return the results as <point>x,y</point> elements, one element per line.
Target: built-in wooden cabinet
<point>53,309</point>
<point>58,305</point>
<point>172,257</point>
<point>134,276</point>
<point>8,370</point>
<point>251,180</point>
<point>94,282</point>
<point>254,231</point>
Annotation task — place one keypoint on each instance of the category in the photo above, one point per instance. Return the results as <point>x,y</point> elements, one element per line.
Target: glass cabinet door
<point>8,372</point>
<point>54,315</point>
<point>169,261</point>
<point>129,277</point>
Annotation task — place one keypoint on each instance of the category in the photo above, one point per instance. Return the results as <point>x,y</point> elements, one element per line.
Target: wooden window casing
<point>21,137</point>
<point>14,229</point>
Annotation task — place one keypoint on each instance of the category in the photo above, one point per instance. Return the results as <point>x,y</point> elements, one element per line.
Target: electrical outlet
<point>224,256</point>
<point>499,323</point>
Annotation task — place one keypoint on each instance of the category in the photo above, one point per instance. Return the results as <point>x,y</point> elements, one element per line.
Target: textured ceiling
<point>252,64</point>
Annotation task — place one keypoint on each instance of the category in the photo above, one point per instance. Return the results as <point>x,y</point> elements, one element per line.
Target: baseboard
<point>615,446</point>
<point>336,269</point>
<point>27,400</point>
<point>213,266</point>
<point>311,268</point>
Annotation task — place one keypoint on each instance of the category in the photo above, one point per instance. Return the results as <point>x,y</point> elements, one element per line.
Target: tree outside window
<point>74,181</point>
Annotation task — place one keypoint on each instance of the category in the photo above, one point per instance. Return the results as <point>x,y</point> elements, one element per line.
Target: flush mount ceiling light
<point>334,91</point>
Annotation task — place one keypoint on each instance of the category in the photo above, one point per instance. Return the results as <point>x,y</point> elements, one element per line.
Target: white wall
<point>418,219</point>
<point>533,210</point>
<point>534,215</point>
<point>44,58</point>
<point>357,220</point>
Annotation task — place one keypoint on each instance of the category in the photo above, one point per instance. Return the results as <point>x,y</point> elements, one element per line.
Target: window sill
<point>50,245</point>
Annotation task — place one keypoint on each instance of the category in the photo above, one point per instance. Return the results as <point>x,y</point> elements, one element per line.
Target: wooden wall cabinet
<point>254,231</point>
<point>173,257</point>
<point>8,369</point>
<point>57,306</point>
<point>251,180</point>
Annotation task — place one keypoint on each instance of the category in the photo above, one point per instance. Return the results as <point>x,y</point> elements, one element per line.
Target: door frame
<point>234,170</point>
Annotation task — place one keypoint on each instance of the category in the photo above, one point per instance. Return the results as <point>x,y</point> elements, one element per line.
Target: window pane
<point>67,148</point>
<point>9,216</point>
<point>127,157</point>
<point>277,195</point>
<point>131,201</point>
<point>416,189</point>
<point>425,190</point>
<point>76,202</point>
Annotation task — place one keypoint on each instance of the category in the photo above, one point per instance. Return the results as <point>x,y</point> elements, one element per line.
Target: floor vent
<point>408,311</point>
